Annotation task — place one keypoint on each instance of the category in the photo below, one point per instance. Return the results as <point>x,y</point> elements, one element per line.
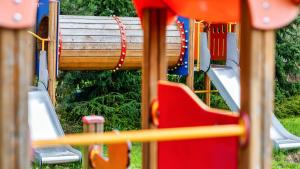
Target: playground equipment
<point>102,43</point>
<point>44,124</point>
<point>43,121</point>
<point>182,122</point>
<point>109,43</point>
<point>226,78</point>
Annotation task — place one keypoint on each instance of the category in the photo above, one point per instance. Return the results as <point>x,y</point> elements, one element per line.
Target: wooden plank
<point>8,96</point>
<point>113,53</point>
<point>25,71</point>
<point>207,86</point>
<point>15,75</point>
<point>104,26</point>
<point>94,17</point>
<point>190,76</point>
<point>257,84</point>
<point>116,32</point>
<point>154,69</point>
<point>109,46</point>
<point>103,63</point>
<point>111,39</point>
<point>52,49</point>
<point>105,21</point>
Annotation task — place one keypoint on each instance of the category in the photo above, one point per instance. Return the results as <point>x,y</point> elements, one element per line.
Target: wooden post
<point>190,76</point>
<point>207,85</point>
<point>257,84</point>
<point>91,124</point>
<point>154,68</point>
<point>16,74</point>
<point>52,48</point>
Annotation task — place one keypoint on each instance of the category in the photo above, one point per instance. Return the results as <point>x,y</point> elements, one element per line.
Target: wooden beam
<point>154,68</point>
<point>190,77</point>
<point>52,48</point>
<point>207,85</point>
<point>15,74</point>
<point>257,91</point>
<point>102,63</point>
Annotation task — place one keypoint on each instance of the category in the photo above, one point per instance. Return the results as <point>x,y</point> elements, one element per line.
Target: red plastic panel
<point>17,14</point>
<point>272,14</point>
<point>179,107</point>
<point>218,41</point>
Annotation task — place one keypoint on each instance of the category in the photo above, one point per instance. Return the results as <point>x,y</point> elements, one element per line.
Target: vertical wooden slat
<point>15,74</point>
<point>190,77</point>
<point>154,68</point>
<point>257,80</point>
<point>52,48</point>
<point>207,85</point>
<point>25,69</point>
<point>268,92</point>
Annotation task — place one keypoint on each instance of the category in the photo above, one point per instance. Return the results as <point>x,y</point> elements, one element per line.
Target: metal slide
<point>44,124</point>
<point>226,79</point>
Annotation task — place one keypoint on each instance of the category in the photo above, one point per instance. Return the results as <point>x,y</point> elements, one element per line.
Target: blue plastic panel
<point>183,69</point>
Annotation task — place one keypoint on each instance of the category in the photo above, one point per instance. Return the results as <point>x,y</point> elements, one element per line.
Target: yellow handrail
<point>205,91</point>
<point>39,38</point>
<point>168,134</point>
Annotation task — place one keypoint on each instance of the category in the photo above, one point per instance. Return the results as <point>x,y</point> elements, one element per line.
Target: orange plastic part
<point>140,5</point>
<point>208,10</point>
<point>272,14</point>
<point>118,157</point>
<point>154,112</point>
<point>17,14</point>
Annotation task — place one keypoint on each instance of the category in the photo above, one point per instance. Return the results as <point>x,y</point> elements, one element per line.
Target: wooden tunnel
<point>107,43</point>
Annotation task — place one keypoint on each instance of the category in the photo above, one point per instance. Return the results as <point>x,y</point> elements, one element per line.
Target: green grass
<point>280,158</point>
<point>292,124</point>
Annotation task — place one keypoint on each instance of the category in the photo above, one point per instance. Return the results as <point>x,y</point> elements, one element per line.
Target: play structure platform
<point>44,124</point>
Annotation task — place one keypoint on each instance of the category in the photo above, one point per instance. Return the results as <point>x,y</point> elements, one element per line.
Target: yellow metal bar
<point>205,91</point>
<point>229,27</point>
<point>150,135</point>
<point>39,38</point>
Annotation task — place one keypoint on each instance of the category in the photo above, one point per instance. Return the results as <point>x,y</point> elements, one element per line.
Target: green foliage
<point>97,7</point>
<point>288,60</point>
<point>288,107</point>
<point>116,96</point>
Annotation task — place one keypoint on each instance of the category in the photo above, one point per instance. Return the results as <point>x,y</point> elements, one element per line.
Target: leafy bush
<point>288,107</point>
<point>116,96</point>
<point>288,60</point>
<point>97,7</point>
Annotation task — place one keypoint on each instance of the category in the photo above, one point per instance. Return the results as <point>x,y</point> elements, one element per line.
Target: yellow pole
<point>205,91</point>
<point>39,38</point>
<point>150,135</point>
